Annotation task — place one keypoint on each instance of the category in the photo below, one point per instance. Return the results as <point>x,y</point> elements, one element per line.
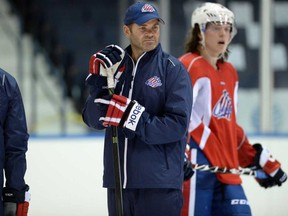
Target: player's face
<point>217,38</point>
<point>143,38</point>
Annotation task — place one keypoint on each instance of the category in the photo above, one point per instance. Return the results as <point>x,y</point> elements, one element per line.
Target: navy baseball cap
<point>140,13</point>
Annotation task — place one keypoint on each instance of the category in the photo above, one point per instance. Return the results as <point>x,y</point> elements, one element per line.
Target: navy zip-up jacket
<point>13,134</point>
<point>153,155</point>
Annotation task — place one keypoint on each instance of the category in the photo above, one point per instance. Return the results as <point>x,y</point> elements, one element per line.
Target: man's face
<point>143,38</point>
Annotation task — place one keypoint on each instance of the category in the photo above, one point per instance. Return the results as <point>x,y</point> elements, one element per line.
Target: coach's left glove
<point>16,203</point>
<point>121,111</point>
<point>265,161</point>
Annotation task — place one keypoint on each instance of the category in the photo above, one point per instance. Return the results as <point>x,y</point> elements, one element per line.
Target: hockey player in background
<point>151,108</point>
<point>215,137</point>
<point>13,147</point>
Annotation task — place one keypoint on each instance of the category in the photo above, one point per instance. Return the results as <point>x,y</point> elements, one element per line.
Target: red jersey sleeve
<point>246,152</point>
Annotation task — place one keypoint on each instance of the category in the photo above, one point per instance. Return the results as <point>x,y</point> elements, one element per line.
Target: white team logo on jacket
<point>223,107</point>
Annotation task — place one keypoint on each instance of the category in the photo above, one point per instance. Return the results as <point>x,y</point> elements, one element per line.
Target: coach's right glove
<point>265,161</point>
<point>121,111</point>
<point>16,203</point>
<point>106,62</point>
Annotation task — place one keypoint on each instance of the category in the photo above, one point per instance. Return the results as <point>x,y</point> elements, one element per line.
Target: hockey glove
<point>16,203</point>
<point>188,170</point>
<point>265,161</point>
<point>121,111</point>
<point>278,179</point>
<point>106,62</point>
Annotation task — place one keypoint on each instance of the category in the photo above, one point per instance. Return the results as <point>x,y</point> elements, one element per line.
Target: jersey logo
<point>223,107</point>
<point>154,82</point>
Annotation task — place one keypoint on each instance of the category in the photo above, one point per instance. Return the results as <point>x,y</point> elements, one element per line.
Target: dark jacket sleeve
<point>15,137</point>
<point>92,112</point>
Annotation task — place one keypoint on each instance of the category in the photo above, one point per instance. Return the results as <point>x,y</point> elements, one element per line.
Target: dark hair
<point>192,42</point>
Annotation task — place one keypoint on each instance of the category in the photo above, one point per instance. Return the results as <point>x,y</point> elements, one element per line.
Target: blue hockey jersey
<point>153,155</point>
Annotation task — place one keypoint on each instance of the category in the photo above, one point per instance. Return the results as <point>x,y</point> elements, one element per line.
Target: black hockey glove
<point>264,160</point>
<point>188,170</point>
<point>278,179</point>
<point>16,203</point>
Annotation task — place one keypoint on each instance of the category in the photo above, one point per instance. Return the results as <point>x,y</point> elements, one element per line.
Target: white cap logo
<point>147,8</point>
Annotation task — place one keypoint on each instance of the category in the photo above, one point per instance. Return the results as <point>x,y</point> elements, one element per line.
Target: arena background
<point>46,45</point>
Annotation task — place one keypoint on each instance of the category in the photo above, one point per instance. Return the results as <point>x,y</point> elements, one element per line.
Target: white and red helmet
<point>213,13</point>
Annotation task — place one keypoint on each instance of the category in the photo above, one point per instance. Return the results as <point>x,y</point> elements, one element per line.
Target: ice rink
<point>65,177</point>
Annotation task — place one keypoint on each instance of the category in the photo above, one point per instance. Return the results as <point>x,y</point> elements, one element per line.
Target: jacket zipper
<point>126,140</point>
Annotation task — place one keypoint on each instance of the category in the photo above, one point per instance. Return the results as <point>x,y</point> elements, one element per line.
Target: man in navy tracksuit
<point>13,147</point>
<point>151,108</point>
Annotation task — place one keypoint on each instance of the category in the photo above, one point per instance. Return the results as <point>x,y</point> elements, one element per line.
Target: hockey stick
<point>116,159</point>
<point>241,171</point>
